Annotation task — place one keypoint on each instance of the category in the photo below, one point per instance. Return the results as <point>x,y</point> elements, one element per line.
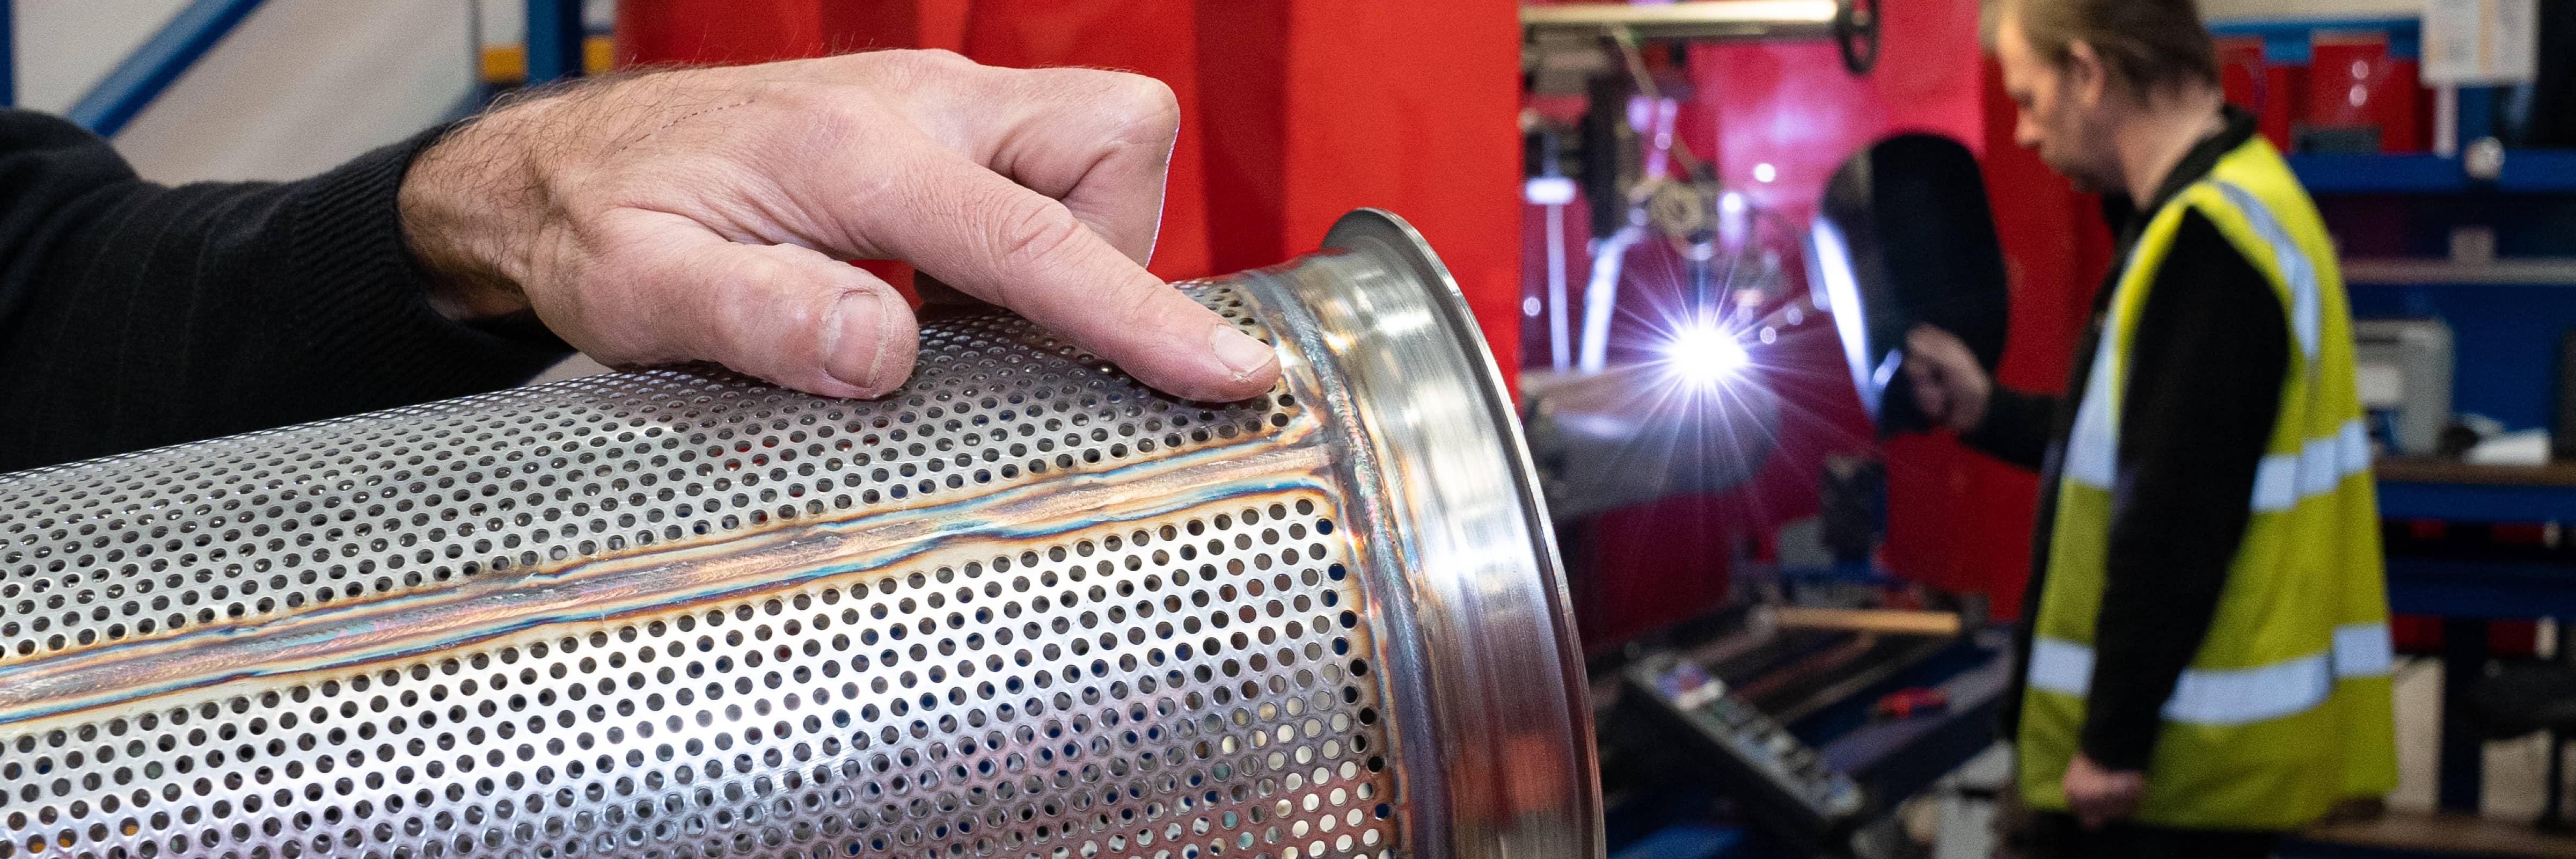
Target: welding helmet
<point>1903,237</point>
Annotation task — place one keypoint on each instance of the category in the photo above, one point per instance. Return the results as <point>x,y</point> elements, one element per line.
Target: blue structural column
<point>554,40</point>
<point>8,55</point>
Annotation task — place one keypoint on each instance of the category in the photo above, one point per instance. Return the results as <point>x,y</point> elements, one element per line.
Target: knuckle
<point>1139,308</point>
<point>1152,98</point>
<point>740,276</point>
<point>743,311</point>
<point>1033,232</point>
<point>1138,105</point>
<point>918,59</point>
<point>1148,105</point>
<point>908,69</point>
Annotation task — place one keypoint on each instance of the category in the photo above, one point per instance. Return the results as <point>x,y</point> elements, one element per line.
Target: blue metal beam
<point>8,55</point>
<point>160,61</point>
<point>554,40</point>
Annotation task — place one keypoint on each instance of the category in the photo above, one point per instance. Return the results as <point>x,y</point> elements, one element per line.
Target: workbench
<point>2468,593</point>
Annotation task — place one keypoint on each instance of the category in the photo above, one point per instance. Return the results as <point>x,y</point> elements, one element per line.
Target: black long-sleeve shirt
<point>2202,395</point>
<point>134,315</point>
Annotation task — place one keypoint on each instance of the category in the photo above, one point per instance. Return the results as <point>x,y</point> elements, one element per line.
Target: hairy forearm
<point>467,200</point>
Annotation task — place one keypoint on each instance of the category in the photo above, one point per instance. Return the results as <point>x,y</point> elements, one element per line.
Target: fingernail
<point>1239,351</point>
<point>858,340</point>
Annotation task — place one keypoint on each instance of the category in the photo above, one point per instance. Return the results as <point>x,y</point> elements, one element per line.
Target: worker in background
<point>690,215</point>
<point>2207,649</point>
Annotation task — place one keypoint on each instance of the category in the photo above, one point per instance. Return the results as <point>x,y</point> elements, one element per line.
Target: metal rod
<point>1560,340</point>
<point>158,63</point>
<point>554,40</point>
<point>1601,296</point>
<point>2446,120</point>
<point>2532,271</point>
<point>1698,19</point>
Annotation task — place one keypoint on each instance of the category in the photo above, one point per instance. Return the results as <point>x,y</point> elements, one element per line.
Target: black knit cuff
<point>2121,740</point>
<point>2016,428</point>
<point>368,297</point>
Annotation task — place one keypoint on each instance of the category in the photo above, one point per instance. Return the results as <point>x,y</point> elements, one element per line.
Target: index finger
<point>1100,141</point>
<point>993,239</point>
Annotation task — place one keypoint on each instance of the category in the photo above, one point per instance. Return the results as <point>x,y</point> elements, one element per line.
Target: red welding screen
<point>1293,111</point>
<point>1297,110</point>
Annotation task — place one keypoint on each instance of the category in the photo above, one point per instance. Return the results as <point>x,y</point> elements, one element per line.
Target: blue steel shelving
<point>2465,593</point>
<point>2526,171</point>
<point>2286,41</point>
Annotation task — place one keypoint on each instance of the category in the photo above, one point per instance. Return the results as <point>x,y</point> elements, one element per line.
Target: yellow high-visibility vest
<point>2285,709</point>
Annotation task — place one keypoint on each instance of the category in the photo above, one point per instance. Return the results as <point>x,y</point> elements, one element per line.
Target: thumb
<point>787,314</point>
<point>1930,395</point>
<point>1919,368</point>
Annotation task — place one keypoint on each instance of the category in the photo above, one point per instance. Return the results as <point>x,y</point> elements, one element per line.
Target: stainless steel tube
<point>1022,607</point>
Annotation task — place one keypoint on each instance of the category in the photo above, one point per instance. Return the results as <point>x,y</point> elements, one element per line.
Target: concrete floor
<point>2515,769</point>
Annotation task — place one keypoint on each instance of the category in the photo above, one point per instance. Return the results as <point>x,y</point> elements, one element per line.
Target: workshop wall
<point>61,49</point>
<point>302,86</point>
<point>297,88</point>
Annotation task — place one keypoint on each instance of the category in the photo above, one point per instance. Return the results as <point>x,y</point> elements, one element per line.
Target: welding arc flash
<point>1706,354</point>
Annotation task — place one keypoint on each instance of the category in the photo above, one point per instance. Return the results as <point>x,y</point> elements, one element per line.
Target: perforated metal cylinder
<point>1024,606</point>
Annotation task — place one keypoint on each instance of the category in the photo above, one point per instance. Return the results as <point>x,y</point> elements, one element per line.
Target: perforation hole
<point>241,529</point>
<point>1198,685</point>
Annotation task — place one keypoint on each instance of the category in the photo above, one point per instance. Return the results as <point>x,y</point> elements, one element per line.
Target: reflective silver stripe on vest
<point>2092,451</point>
<point>2231,696</point>
<point>2296,269</point>
<point>2285,479</point>
<point>2363,650</point>
<point>2282,480</point>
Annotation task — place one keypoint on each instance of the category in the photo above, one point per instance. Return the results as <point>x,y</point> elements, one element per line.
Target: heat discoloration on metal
<point>1228,705</point>
<point>415,499</point>
<point>609,587</point>
<point>1022,608</point>
<point>1144,646</point>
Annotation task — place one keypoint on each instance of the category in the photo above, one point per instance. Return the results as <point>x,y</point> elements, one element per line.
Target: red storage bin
<point>2271,92</point>
<point>2354,83</point>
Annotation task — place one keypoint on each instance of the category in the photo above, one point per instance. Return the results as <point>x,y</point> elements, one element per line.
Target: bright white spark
<point>1705,354</point>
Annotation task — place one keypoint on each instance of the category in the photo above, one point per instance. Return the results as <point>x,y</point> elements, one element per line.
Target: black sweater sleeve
<point>134,315</point>
<point>2017,427</point>
<point>2212,346</point>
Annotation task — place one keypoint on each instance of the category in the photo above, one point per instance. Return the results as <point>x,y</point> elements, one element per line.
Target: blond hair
<point>2149,46</point>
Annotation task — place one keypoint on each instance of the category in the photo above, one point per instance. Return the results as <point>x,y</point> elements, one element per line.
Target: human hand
<point>1949,385</point>
<point>708,214</point>
<point>2099,796</point>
